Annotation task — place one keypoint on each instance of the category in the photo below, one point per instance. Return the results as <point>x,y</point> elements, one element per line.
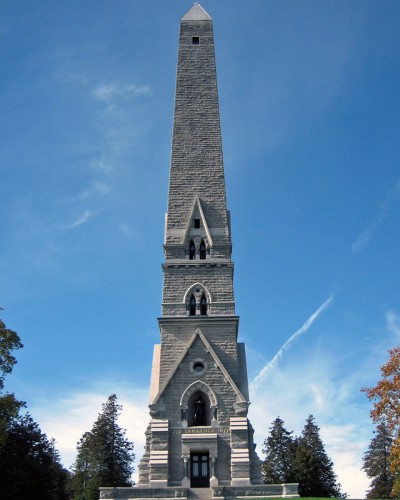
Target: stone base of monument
<point>289,490</point>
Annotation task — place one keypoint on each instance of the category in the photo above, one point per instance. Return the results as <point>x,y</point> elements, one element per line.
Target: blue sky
<point>310,115</point>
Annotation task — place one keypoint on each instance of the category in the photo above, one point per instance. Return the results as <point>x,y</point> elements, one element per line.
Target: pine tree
<point>377,464</point>
<point>104,455</point>
<point>29,463</point>
<point>314,469</point>
<point>279,450</point>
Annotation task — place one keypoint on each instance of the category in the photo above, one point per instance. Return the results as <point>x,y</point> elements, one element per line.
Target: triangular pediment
<point>197,209</point>
<point>199,335</point>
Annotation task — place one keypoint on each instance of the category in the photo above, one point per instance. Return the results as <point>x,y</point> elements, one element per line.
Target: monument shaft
<point>199,434</point>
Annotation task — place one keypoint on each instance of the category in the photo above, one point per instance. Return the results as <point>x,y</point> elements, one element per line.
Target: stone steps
<point>200,493</point>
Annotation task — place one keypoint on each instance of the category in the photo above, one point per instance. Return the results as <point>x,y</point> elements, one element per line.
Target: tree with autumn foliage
<point>386,398</point>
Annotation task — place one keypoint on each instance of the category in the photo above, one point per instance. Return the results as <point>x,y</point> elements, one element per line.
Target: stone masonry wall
<point>218,281</point>
<point>196,155</point>
<point>220,334</point>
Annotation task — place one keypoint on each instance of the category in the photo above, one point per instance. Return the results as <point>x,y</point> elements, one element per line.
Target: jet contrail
<point>271,365</point>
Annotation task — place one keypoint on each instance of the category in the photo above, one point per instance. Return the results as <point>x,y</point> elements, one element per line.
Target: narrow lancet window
<point>202,250</point>
<point>203,305</point>
<point>192,251</point>
<point>192,306</point>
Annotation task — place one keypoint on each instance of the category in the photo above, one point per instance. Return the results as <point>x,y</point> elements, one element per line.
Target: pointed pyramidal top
<point>196,13</point>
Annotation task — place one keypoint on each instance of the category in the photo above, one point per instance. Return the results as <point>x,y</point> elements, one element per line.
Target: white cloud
<point>108,92</point>
<point>306,385</point>
<point>66,419</point>
<point>384,209</point>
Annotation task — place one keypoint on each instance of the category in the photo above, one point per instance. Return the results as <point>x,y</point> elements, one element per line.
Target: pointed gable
<point>199,335</point>
<point>197,209</point>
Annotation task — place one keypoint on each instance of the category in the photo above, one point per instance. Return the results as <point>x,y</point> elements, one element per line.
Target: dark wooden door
<point>199,470</point>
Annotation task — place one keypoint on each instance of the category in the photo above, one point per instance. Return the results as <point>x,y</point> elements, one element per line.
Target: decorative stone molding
<point>197,290</point>
<point>201,386</point>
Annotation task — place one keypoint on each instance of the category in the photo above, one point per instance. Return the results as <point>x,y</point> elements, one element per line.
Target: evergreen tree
<point>314,469</point>
<point>104,455</point>
<point>29,463</point>
<point>377,464</point>
<point>279,450</point>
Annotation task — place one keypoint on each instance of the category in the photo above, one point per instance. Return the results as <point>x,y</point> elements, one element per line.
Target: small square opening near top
<point>196,223</point>
<point>195,40</point>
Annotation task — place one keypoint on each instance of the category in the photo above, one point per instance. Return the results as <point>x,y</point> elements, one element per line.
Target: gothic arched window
<point>192,250</point>
<point>202,250</point>
<point>203,305</point>
<point>192,306</point>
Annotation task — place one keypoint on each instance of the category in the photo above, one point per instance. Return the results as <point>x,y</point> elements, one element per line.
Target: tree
<point>104,455</point>
<point>9,405</point>
<point>30,464</point>
<point>279,450</point>
<point>377,464</point>
<point>9,340</point>
<point>314,469</point>
<point>386,397</point>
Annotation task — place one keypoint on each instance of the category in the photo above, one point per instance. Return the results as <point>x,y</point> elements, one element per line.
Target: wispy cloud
<point>81,219</point>
<point>108,92</point>
<point>383,211</point>
<point>126,230</point>
<point>102,164</point>
<point>306,326</point>
<point>393,323</point>
<point>101,187</point>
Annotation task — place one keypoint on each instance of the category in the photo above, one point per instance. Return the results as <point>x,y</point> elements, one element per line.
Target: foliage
<point>386,397</point>
<point>314,469</point>
<point>29,464</point>
<point>376,464</point>
<point>104,455</point>
<point>9,405</point>
<point>9,341</point>
<point>279,450</point>
<point>300,460</point>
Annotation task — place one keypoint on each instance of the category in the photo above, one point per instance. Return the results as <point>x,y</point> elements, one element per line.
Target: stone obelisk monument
<point>199,435</point>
